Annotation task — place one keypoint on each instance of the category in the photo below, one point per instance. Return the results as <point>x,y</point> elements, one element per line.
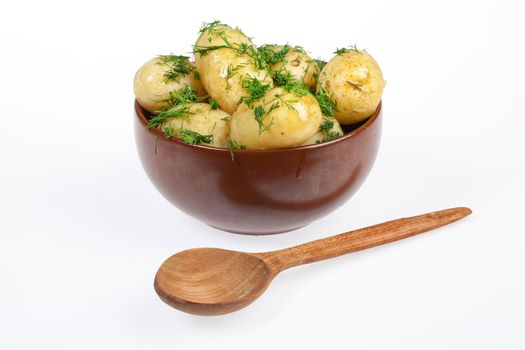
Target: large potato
<point>160,76</point>
<point>290,62</point>
<point>196,123</point>
<point>330,129</point>
<point>225,58</point>
<point>355,83</point>
<point>280,119</point>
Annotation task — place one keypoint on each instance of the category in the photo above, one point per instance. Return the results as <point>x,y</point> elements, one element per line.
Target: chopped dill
<point>177,66</point>
<point>326,129</point>
<point>282,77</point>
<point>169,131</point>
<point>232,146</point>
<point>272,56</point>
<point>196,75</point>
<point>181,96</point>
<point>255,89</point>
<point>326,126</point>
<point>192,137</point>
<point>298,89</point>
<point>328,107</point>
<point>345,50</point>
<point>260,114</point>
<point>320,64</point>
<point>172,112</point>
<point>330,135</point>
<point>214,104</point>
<point>206,27</point>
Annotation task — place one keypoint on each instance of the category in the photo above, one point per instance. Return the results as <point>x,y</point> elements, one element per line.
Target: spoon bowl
<point>212,281</point>
<point>209,281</point>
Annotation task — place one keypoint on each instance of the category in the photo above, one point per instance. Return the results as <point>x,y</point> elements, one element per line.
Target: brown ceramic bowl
<point>261,191</point>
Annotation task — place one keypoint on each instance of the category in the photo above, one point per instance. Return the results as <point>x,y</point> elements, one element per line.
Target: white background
<point>82,230</point>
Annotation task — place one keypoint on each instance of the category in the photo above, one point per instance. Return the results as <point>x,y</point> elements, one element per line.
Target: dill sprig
<point>176,111</point>
<point>241,49</point>
<point>260,113</point>
<point>192,137</point>
<point>207,27</point>
<point>282,77</point>
<point>182,96</point>
<point>255,89</point>
<point>326,129</point>
<point>299,89</point>
<point>344,50</point>
<point>177,66</point>
<point>232,146</point>
<point>320,64</point>
<point>214,104</point>
<point>272,56</point>
<point>327,125</point>
<point>328,107</point>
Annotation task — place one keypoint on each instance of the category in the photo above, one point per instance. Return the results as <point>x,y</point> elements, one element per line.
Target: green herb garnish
<point>320,64</point>
<point>282,77</point>
<point>182,96</point>
<point>255,89</point>
<point>232,146</point>
<point>177,66</point>
<point>326,129</point>
<point>345,50</point>
<point>172,112</point>
<point>272,56</point>
<point>192,137</point>
<point>328,106</point>
<point>214,104</point>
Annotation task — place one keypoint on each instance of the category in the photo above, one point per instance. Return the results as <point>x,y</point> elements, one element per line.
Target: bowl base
<point>253,233</point>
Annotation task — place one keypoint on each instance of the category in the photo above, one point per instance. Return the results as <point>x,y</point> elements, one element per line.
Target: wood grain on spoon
<point>212,281</point>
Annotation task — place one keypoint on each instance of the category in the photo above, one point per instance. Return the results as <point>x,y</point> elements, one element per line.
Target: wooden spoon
<point>211,281</point>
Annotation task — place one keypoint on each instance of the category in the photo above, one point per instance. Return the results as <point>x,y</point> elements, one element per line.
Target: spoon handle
<point>360,239</point>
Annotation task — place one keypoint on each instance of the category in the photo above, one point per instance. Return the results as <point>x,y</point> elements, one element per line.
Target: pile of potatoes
<point>240,96</point>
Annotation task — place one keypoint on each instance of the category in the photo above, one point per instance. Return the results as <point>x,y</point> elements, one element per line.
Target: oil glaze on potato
<point>355,83</point>
<point>204,120</point>
<point>292,122</point>
<point>295,61</point>
<point>158,77</point>
<point>224,57</point>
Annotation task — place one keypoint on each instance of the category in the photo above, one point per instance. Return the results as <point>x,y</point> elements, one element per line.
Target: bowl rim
<point>140,113</point>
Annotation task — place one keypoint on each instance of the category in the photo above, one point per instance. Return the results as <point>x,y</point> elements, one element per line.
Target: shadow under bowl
<point>261,191</point>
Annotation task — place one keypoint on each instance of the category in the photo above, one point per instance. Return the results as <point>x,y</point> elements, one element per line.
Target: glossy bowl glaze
<point>260,191</point>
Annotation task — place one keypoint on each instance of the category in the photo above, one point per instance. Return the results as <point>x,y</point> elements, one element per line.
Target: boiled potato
<point>225,58</point>
<point>160,76</point>
<point>280,119</point>
<point>289,62</point>
<point>355,83</point>
<point>330,129</point>
<point>198,123</point>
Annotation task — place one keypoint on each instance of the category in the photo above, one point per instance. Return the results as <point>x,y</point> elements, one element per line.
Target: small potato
<point>161,75</point>
<point>355,83</point>
<point>330,129</point>
<point>197,124</point>
<point>289,62</point>
<point>225,57</point>
<point>280,119</point>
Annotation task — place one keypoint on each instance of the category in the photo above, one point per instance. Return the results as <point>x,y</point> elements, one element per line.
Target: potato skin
<point>300,65</point>
<point>222,70</point>
<point>152,87</point>
<point>355,83</point>
<point>325,135</point>
<point>204,120</point>
<point>293,122</point>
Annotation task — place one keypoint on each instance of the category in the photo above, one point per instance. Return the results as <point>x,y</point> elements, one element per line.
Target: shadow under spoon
<point>212,281</point>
